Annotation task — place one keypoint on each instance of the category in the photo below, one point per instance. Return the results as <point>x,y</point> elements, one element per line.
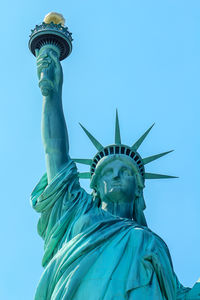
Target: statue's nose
<point>116,174</point>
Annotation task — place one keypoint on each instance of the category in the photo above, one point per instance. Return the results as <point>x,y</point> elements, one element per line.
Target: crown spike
<point>83,161</point>
<point>97,145</point>
<point>141,139</point>
<point>84,175</point>
<point>117,130</point>
<point>157,176</point>
<point>149,159</point>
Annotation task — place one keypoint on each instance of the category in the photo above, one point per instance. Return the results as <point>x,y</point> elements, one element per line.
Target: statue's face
<point>116,182</point>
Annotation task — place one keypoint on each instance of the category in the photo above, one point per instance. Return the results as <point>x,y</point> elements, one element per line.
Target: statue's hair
<point>139,207</point>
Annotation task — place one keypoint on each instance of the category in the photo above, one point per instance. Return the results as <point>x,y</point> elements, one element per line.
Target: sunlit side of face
<point>116,182</point>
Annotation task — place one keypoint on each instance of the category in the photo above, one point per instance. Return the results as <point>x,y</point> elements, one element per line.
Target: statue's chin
<point>117,194</point>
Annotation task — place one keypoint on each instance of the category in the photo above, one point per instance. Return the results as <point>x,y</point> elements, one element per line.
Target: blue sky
<point>142,57</point>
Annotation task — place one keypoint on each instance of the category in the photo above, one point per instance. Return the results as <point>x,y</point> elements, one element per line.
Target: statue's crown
<point>52,32</point>
<point>121,149</point>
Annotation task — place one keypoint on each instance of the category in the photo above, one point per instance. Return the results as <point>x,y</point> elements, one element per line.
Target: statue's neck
<point>120,209</point>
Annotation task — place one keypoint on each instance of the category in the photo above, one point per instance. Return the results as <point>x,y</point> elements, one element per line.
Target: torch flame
<point>54,17</point>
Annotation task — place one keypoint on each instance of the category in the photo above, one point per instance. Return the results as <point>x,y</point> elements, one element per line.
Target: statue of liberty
<point>98,246</point>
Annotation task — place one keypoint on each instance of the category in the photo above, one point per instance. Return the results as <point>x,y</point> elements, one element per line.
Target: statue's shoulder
<point>150,237</point>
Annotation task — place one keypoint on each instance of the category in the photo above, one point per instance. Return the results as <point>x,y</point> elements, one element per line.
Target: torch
<point>51,34</point>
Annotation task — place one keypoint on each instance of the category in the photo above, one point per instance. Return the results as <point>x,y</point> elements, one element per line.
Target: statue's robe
<point>90,254</point>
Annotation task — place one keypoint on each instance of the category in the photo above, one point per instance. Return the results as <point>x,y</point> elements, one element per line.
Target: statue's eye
<point>107,172</point>
<point>126,172</point>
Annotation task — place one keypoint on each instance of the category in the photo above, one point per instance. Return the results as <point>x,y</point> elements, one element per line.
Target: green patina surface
<point>96,246</point>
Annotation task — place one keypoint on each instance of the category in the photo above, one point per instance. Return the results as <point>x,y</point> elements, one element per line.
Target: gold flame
<point>54,17</point>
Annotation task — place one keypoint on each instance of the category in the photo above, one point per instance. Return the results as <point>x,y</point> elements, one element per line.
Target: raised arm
<point>54,130</point>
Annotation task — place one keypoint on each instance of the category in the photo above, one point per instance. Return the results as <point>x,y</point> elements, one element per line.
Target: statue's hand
<point>194,293</point>
<point>49,71</point>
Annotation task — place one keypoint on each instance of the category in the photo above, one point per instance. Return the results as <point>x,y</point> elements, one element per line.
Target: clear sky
<point>142,57</point>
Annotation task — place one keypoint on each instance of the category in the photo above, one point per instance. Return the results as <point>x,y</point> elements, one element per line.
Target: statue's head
<point>115,179</point>
<point>117,172</point>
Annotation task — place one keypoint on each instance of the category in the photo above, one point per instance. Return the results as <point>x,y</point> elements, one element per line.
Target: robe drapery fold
<point>89,254</point>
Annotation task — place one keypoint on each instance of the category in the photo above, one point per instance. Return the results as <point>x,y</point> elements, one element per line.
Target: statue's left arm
<point>194,293</point>
<point>182,293</point>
